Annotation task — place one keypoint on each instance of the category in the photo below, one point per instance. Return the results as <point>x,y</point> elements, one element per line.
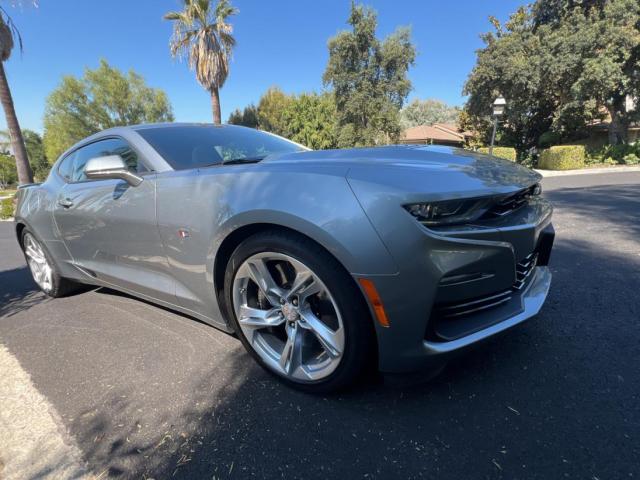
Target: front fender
<point>211,204</point>
<point>353,241</point>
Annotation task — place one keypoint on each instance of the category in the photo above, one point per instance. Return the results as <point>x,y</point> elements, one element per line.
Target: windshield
<point>194,146</point>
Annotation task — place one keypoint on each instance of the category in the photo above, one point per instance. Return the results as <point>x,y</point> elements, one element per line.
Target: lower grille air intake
<point>524,269</point>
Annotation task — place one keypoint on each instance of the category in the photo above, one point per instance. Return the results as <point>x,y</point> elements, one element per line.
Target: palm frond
<point>202,35</point>
<point>224,9</point>
<point>8,32</point>
<point>227,40</point>
<point>173,16</point>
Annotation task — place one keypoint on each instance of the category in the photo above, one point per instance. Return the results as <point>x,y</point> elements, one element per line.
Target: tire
<point>37,256</point>
<point>334,360</point>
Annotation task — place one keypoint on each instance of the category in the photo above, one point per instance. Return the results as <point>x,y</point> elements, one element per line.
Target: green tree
<point>201,33</point>
<point>35,152</point>
<point>8,170</point>
<point>511,64</point>
<point>311,120</point>
<point>476,126</point>
<point>560,64</point>
<point>37,158</point>
<point>552,12</point>
<point>102,98</point>
<point>427,112</point>
<point>596,49</point>
<point>8,34</point>
<point>369,79</point>
<point>271,111</point>
<point>247,117</point>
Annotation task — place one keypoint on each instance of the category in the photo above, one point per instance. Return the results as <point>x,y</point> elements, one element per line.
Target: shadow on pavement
<point>18,291</point>
<point>619,204</point>
<point>553,397</point>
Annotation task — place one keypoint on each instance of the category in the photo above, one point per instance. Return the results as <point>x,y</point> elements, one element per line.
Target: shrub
<point>631,159</point>
<point>547,139</point>
<point>507,153</point>
<point>562,157</point>
<point>6,208</point>
<point>616,154</point>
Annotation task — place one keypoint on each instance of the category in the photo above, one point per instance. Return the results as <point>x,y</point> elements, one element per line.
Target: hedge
<point>507,153</point>
<point>562,157</point>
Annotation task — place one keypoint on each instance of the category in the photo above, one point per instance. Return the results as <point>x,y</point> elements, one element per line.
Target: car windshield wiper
<point>243,160</point>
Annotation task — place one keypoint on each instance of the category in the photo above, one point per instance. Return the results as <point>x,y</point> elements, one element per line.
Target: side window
<point>101,148</point>
<point>66,167</point>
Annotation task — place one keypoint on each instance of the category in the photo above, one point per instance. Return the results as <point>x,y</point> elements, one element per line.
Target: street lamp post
<point>498,109</point>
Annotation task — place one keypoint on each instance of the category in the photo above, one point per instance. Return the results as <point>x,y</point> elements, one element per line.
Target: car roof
<point>144,126</point>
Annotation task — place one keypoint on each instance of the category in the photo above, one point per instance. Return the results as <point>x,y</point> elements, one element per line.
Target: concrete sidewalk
<point>589,171</point>
<point>33,440</point>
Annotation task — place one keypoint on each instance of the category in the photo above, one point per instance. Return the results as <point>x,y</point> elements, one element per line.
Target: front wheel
<point>298,312</point>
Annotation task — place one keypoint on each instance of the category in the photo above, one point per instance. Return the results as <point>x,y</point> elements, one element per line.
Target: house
<point>599,130</point>
<point>437,133</point>
<point>599,133</point>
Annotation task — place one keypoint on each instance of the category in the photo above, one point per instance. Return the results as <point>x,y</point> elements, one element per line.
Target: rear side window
<point>72,167</point>
<point>194,146</point>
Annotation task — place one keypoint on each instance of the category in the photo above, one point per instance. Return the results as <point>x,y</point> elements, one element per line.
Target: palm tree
<point>8,32</point>
<point>201,33</point>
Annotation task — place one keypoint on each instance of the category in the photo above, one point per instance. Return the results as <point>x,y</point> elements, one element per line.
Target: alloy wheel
<point>38,263</point>
<point>288,316</point>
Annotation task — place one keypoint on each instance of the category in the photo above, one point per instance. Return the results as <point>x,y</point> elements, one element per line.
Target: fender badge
<point>183,233</point>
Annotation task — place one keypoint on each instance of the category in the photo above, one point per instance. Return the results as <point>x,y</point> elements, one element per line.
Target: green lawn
<point>6,208</point>
<point>4,193</point>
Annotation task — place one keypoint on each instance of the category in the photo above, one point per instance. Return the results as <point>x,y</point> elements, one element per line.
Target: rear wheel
<point>43,270</point>
<point>298,312</point>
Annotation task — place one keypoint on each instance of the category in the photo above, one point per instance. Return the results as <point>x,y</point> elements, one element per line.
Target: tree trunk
<point>215,105</point>
<point>618,128</point>
<point>25,175</point>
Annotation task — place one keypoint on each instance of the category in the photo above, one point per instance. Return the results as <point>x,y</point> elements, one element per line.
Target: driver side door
<point>110,227</point>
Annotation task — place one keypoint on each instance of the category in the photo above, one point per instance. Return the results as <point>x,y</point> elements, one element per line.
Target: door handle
<point>65,202</point>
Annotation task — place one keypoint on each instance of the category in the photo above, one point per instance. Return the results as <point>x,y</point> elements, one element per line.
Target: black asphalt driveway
<point>146,392</point>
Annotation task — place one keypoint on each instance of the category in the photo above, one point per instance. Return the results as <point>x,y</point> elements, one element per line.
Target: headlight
<point>448,212</point>
<point>535,190</point>
<point>458,212</point>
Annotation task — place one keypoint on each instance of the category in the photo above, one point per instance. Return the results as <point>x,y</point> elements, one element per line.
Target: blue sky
<point>280,42</point>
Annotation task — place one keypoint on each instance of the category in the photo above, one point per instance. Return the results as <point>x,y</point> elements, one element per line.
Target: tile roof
<point>437,131</point>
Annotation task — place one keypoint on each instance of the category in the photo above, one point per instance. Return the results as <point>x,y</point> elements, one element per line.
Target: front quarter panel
<point>211,203</point>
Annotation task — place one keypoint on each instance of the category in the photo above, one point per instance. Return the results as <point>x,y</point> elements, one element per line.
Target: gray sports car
<point>323,263</point>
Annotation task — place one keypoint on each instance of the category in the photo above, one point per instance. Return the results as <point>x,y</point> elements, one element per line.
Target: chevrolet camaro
<point>323,263</point>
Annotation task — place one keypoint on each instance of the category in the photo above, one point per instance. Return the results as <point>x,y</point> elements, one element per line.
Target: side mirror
<point>111,166</point>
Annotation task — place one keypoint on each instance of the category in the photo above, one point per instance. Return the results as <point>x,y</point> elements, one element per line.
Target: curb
<point>588,171</point>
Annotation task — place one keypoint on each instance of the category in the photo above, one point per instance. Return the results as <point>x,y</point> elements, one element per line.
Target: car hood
<point>436,171</point>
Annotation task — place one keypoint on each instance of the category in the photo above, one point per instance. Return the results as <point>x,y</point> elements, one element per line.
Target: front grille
<point>511,203</point>
<point>524,269</point>
<point>472,306</point>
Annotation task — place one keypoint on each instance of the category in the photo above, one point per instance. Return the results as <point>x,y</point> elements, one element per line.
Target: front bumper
<point>531,301</point>
<point>461,268</point>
